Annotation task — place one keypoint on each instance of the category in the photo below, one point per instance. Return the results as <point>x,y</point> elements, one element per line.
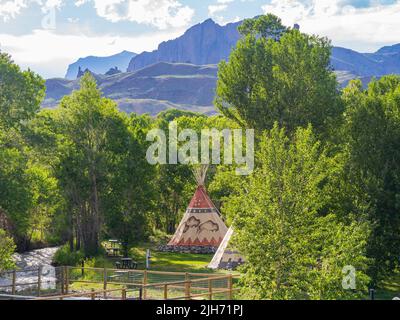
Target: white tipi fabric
<point>226,257</point>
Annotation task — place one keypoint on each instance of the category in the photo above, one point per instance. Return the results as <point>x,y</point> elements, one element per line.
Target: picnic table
<point>114,252</point>
<point>113,248</point>
<point>126,263</point>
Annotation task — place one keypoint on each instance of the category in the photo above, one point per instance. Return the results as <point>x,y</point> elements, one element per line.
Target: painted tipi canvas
<point>202,225</point>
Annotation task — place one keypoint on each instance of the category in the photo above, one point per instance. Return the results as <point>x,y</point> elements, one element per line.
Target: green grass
<point>389,288</point>
<point>171,262</point>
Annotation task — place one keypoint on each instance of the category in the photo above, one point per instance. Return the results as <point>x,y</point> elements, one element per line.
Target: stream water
<point>27,274</point>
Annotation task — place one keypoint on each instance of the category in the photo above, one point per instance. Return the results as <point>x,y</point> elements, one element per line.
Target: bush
<point>64,257</point>
<point>159,237</point>
<point>7,248</point>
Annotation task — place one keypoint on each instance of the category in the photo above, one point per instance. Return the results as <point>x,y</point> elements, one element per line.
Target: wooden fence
<point>102,283</point>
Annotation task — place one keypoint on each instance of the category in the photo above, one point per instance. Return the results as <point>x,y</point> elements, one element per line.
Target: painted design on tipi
<point>226,257</point>
<point>202,224</point>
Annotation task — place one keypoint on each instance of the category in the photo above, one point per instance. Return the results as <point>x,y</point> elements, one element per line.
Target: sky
<point>48,35</point>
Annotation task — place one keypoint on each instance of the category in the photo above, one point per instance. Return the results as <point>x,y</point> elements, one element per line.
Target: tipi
<point>226,257</point>
<point>202,225</point>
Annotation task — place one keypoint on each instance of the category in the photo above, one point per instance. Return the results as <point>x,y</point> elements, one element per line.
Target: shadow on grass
<point>389,288</point>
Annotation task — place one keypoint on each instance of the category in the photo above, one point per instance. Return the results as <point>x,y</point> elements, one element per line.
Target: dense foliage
<point>7,248</point>
<point>294,250</point>
<point>372,139</point>
<point>288,81</point>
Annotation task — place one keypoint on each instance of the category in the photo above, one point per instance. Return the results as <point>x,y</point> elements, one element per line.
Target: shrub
<point>64,257</point>
<point>7,248</point>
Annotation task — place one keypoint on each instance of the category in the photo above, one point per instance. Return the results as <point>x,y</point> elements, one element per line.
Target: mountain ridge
<point>203,43</point>
<point>164,78</point>
<point>100,65</point>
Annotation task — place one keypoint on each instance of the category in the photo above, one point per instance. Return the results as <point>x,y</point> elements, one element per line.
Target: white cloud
<point>363,29</point>
<point>213,9</point>
<point>50,54</point>
<point>10,9</point>
<point>79,3</point>
<point>159,13</point>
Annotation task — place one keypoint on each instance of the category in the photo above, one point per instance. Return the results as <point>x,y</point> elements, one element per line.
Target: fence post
<point>14,281</point>
<point>62,281</point>
<point>187,289</point>
<point>144,285</point>
<point>210,289</point>
<point>92,295</point>
<point>187,286</point>
<point>166,292</point>
<point>83,268</point>
<point>105,282</point>
<point>230,287</point>
<point>66,280</point>
<point>123,292</point>
<point>39,280</point>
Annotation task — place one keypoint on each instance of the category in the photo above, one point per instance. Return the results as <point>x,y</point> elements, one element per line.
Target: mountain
<point>384,61</point>
<point>389,49</point>
<point>150,90</point>
<point>182,73</point>
<point>202,44</point>
<point>209,43</point>
<point>100,65</point>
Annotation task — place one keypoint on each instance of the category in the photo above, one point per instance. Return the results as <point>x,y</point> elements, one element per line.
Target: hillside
<point>150,90</point>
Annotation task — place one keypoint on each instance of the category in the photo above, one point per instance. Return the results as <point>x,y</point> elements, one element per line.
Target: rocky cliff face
<point>204,43</point>
<point>100,65</point>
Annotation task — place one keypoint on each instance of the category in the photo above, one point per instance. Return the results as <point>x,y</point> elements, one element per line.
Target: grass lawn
<point>389,288</point>
<point>171,262</point>
<point>163,261</point>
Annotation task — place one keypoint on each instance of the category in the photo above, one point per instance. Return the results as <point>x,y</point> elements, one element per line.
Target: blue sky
<point>47,35</point>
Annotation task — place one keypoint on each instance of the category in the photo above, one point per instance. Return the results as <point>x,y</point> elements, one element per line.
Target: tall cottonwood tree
<point>285,79</point>
<point>294,247</point>
<point>92,135</point>
<point>371,138</point>
<point>21,93</point>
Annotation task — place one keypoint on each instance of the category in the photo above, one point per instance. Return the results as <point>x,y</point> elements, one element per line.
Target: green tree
<point>266,26</point>
<point>130,202</point>
<point>288,81</point>
<point>21,93</point>
<point>7,248</point>
<point>293,249</point>
<point>92,137</point>
<point>371,135</point>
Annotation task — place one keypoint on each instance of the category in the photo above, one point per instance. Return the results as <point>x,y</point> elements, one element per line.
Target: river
<point>28,264</point>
